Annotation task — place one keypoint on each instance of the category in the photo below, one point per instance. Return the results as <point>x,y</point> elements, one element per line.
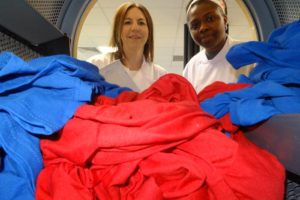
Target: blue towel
<point>277,59</point>
<point>253,104</point>
<point>37,98</point>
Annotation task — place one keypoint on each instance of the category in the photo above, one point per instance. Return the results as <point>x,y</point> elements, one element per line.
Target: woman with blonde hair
<point>131,65</point>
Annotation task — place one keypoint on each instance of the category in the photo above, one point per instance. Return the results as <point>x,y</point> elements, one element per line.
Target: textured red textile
<point>156,145</point>
<point>221,87</point>
<point>126,96</point>
<point>174,88</point>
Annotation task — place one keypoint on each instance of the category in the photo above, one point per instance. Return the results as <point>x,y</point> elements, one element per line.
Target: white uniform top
<point>138,80</point>
<point>100,60</point>
<point>202,72</point>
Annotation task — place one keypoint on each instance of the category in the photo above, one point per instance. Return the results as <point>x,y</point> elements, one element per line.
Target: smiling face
<point>135,30</point>
<point>207,23</point>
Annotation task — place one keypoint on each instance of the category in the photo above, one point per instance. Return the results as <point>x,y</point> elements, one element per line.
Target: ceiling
<point>168,18</point>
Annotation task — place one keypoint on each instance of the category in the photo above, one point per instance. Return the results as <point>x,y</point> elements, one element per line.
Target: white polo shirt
<point>117,73</point>
<point>202,72</point>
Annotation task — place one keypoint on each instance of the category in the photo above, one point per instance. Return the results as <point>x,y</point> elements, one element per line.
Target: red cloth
<point>160,145</point>
<point>221,87</point>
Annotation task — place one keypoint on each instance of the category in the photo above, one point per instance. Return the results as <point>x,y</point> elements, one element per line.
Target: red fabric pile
<point>155,145</point>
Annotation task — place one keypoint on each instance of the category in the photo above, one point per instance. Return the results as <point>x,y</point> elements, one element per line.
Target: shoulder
<point>111,66</point>
<point>100,60</point>
<point>155,69</point>
<point>159,68</point>
<point>197,58</point>
<point>232,41</point>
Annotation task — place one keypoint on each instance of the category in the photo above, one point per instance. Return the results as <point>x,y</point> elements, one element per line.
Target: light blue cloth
<point>275,79</point>
<point>37,98</point>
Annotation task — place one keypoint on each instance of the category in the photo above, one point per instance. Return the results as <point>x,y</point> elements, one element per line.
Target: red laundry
<point>155,145</point>
<point>219,87</point>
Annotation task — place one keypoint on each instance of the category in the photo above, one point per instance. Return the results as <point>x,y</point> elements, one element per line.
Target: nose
<point>135,26</point>
<point>203,28</point>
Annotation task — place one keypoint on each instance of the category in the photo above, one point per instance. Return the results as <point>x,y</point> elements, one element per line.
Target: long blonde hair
<point>115,40</point>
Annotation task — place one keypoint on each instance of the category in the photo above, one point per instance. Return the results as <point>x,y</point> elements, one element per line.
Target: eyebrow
<point>139,19</point>
<point>209,13</point>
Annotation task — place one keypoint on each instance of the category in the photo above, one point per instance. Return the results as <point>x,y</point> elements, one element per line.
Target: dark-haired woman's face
<point>207,26</point>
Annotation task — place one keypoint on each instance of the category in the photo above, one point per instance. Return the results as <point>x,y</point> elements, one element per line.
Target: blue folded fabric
<point>21,162</point>
<point>277,59</point>
<point>275,79</point>
<point>253,104</point>
<point>37,98</point>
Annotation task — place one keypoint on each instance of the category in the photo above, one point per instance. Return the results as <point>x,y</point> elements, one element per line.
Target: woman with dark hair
<point>131,65</point>
<point>208,25</point>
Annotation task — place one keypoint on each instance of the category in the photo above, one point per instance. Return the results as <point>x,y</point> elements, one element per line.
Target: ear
<point>225,19</point>
<point>226,24</point>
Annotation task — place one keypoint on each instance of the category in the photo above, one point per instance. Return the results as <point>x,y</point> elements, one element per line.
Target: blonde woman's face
<point>134,29</point>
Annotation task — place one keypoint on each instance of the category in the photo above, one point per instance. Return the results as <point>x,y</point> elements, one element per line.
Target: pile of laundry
<point>66,133</point>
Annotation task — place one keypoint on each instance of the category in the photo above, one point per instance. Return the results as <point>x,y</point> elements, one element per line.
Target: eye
<point>210,18</point>
<point>194,25</point>
<point>142,23</point>
<point>127,22</point>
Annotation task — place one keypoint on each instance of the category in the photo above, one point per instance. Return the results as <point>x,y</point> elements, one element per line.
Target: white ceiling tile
<point>163,41</point>
<point>85,42</point>
<point>164,16</point>
<point>161,3</point>
<point>110,3</point>
<point>165,31</point>
<point>100,40</point>
<point>96,17</point>
<point>96,31</point>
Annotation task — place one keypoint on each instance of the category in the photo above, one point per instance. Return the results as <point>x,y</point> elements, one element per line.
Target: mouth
<point>206,38</point>
<point>134,37</point>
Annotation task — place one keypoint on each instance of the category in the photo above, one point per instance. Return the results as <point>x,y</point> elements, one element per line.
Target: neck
<point>133,59</point>
<point>211,53</point>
